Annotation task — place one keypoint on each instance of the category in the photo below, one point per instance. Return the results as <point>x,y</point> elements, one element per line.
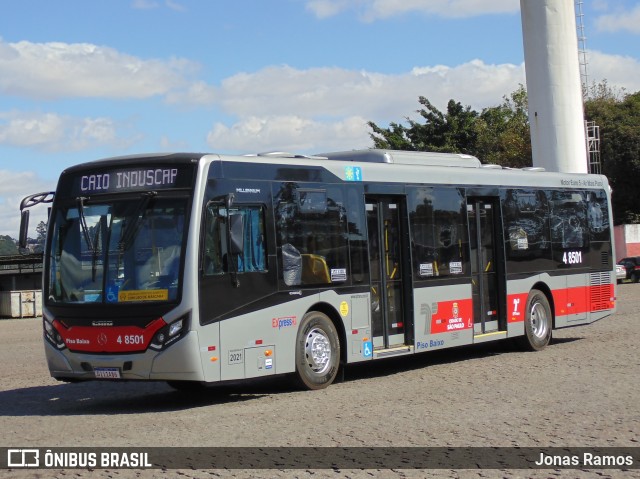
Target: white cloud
<point>327,8</point>
<point>619,71</point>
<point>328,108</point>
<point>628,21</point>
<point>196,94</point>
<point>151,4</point>
<point>370,10</point>
<point>338,93</point>
<point>178,7</point>
<point>144,4</point>
<point>293,133</point>
<point>14,186</point>
<point>51,132</point>
<point>281,107</point>
<point>166,144</point>
<point>57,70</point>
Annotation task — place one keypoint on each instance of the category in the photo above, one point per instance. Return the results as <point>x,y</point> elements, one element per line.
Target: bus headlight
<point>170,333</point>
<point>175,327</point>
<point>51,334</point>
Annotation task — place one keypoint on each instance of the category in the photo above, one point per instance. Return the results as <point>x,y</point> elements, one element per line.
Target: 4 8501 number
<point>572,257</point>
<point>131,339</point>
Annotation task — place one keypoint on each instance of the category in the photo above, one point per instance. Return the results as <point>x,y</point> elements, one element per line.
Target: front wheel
<point>317,351</point>
<point>538,322</point>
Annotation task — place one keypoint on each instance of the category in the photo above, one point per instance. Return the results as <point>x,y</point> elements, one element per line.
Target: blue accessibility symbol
<point>353,173</point>
<point>367,349</point>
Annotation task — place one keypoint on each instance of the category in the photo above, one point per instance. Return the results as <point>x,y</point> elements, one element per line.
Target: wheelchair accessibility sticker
<point>353,173</point>
<point>367,349</point>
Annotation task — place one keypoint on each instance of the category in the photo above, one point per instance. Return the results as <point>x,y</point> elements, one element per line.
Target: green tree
<point>450,132</point>
<point>41,230</point>
<point>618,116</point>
<point>503,132</point>
<point>496,135</point>
<point>8,246</point>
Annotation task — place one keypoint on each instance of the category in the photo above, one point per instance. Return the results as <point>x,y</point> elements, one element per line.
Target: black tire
<point>538,322</point>
<point>635,277</point>
<point>317,351</point>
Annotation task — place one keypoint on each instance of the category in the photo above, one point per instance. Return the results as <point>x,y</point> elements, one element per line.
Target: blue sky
<point>85,80</point>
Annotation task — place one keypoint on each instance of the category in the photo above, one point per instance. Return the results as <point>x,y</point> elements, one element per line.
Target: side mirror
<point>24,228</point>
<point>236,234</point>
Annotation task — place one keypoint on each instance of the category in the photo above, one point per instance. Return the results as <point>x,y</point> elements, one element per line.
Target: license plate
<point>107,373</point>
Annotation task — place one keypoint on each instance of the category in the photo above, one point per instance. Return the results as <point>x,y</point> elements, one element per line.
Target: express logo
<point>285,322</point>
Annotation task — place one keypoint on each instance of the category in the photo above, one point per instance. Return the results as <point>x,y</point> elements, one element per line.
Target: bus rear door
<point>487,265</point>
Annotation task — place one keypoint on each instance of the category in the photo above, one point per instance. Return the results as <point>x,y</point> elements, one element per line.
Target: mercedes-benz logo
<point>102,339</point>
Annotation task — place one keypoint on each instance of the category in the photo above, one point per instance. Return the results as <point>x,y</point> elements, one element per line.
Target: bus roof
<point>425,158</point>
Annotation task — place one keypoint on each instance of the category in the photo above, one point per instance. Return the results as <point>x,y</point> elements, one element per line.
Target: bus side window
<point>216,251</point>
<point>438,232</point>
<point>568,220</point>
<point>311,226</point>
<point>526,219</point>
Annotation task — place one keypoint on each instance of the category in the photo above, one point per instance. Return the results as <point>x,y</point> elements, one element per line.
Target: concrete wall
<point>627,238</point>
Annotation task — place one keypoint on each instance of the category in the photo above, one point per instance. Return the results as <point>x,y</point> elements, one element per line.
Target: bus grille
<point>600,291</point>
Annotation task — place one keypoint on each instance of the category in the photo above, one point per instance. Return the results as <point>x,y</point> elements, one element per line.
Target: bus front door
<point>487,276</point>
<point>386,256</point>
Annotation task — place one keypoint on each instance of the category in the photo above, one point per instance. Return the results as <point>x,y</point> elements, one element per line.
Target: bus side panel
<point>443,317</point>
<point>210,351</point>
<point>262,343</point>
<point>354,313</point>
<point>178,362</point>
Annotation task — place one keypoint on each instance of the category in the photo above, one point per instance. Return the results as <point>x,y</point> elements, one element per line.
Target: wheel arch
<point>544,288</point>
<point>336,319</point>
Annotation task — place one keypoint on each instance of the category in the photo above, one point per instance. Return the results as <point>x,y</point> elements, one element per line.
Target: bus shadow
<point>387,367</point>
<point>564,340</point>
<point>115,398</point>
<point>102,397</point>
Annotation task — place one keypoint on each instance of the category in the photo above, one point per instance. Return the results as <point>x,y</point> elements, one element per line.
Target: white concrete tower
<point>554,89</point>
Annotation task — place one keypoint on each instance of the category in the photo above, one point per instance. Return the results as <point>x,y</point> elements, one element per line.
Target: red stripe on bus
<point>578,300</point>
<point>108,339</point>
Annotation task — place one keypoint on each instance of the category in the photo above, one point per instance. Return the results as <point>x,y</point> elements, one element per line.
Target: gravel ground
<point>582,391</point>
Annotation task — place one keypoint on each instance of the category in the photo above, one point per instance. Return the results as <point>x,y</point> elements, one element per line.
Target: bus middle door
<point>387,265</point>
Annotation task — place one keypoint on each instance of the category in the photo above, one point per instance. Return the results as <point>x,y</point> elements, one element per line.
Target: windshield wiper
<point>83,223</point>
<point>131,230</point>
<point>91,244</point>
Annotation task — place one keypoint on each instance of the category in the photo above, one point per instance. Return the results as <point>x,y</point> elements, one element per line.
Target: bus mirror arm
<point>235,237</point>
<point>24,228</point>
<point>236,244</point>
<point>25,204</point>
<point>236,234</point>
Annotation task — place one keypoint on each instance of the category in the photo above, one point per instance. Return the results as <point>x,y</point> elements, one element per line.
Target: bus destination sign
<point>130,179</point>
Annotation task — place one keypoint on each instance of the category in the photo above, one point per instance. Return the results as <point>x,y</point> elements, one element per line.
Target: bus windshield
<point>120,251</point>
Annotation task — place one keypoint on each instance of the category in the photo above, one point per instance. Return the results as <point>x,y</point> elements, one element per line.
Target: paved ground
<point>581,391</point>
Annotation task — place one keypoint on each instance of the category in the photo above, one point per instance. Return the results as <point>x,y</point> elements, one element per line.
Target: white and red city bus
<point>201,268</point>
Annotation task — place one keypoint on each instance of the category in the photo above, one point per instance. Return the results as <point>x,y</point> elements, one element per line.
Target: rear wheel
<point>538,322</point>
<point>317,351</point>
